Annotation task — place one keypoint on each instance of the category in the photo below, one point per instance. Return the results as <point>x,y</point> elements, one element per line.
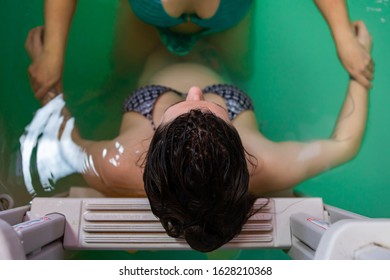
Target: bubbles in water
<point>379,7</point>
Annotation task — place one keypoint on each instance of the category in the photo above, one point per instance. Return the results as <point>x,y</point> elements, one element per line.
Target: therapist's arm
<point>46,70</point>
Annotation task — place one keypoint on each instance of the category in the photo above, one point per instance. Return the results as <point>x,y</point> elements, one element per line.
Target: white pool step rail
<point>304,227</point>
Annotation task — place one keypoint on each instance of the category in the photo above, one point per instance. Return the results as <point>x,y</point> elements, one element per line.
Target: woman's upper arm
<point>112,170</point>
<point>283,165</point>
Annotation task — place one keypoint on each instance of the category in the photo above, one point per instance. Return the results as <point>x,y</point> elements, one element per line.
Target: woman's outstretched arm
<point>285,164</point>
<point>107,166</point>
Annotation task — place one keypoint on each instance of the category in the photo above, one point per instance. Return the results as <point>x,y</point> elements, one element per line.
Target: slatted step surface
<point>134,226</point>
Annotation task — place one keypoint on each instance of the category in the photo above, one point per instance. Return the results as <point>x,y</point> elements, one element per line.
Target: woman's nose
<point>195,94</point>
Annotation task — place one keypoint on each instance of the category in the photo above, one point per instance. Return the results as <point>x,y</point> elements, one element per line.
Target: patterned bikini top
<point>142,100</point>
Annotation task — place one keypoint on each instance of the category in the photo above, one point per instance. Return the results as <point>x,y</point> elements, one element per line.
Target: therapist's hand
<point>45,70</point>
<point>355,55</point>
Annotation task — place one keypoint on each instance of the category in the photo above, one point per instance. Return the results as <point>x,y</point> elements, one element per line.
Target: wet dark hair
<point>196,178</point>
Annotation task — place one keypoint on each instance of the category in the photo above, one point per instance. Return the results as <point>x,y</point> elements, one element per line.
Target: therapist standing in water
<point>180,24</point>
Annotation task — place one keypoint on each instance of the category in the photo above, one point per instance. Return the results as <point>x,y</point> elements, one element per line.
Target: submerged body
<point>163,70</point>
<point>273,167</point>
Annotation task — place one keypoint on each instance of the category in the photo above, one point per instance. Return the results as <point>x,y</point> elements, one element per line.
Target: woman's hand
<point>45,71</point>
<point>354,53</point>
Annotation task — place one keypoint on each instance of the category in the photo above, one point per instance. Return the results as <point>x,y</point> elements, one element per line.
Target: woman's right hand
<point>45,71</point>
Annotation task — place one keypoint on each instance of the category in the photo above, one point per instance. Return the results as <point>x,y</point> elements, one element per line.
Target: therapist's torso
<point>182,22</point>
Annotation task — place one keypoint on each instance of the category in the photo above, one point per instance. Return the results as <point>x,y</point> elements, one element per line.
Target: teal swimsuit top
<point>228,14</point>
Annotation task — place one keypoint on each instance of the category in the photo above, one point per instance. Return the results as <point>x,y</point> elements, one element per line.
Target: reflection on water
<point>55,157</point>
<point>381,8</point>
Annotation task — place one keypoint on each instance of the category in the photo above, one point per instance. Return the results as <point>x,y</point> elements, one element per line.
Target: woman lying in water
<point>190,142</point>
